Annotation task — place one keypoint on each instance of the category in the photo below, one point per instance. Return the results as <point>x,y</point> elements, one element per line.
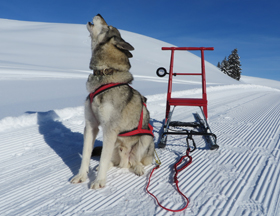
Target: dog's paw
<point>124,164</point>
<point>98,184</point>
<point>138,169</point>
<point>79,178</point>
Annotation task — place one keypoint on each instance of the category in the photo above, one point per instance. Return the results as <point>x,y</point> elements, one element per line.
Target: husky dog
<point>116,110</point>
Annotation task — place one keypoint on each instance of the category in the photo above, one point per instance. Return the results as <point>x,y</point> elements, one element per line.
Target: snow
<point>43,70</point>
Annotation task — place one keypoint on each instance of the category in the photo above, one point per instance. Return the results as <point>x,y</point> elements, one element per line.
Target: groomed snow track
<point>40,152</point>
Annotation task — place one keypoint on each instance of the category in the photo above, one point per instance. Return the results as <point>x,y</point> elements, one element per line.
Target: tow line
<point>176,181</point>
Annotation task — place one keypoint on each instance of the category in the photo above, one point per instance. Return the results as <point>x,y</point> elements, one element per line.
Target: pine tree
<point>234,69</point>
<point>231,65</point>
<point>225,66</point>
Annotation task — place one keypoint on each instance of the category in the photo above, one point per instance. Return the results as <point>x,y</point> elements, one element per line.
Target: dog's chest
<point>103,111</point>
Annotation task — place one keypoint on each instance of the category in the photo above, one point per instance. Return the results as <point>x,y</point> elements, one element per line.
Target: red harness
<point>134,132</point>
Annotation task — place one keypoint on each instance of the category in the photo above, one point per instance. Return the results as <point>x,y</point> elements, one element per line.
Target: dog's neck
<point>94,81</point>
<point>105,72</point>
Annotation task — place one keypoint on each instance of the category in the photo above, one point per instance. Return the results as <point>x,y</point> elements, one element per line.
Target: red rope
<point>175,181</point>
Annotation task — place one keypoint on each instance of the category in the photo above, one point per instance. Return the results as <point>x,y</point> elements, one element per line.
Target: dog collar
<point>104,72</point>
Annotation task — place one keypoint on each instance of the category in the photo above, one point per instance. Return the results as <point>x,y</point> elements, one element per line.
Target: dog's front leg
<point>109,140</point>
<point>90,133</point>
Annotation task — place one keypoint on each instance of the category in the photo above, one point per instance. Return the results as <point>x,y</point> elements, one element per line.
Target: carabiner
<point>193,143</point>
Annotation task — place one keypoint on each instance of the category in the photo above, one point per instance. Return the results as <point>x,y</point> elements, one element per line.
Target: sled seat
<point>201,102</point>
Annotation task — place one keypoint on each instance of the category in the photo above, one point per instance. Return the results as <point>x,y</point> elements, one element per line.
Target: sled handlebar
<point>187,48</point>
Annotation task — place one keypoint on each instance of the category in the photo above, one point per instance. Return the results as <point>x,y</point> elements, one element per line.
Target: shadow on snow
<point>68,145</point>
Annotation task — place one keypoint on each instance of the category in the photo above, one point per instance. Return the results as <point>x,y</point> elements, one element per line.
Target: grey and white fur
<point>116,110</point>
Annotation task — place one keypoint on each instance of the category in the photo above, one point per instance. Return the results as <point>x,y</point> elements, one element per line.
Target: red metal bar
<point>187,102</point>
<point>187,48</point>
<point>169,84</point>
<point>204,95</point>
<point>191,74</point>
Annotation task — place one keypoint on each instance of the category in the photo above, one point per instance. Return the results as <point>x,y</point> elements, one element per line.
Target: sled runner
<point>198,128</point>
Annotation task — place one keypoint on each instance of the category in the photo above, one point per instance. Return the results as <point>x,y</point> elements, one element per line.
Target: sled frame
<point>201,125</point>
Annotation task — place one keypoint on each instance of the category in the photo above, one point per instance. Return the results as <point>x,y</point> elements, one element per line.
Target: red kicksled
<point>171,128</point>
<point>202,125</point>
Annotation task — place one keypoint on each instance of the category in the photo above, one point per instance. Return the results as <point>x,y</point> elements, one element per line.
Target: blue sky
<point>251,26</point>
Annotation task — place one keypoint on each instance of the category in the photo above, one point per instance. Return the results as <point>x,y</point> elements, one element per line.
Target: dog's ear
<point>128,54</point>
<point>121,44</point>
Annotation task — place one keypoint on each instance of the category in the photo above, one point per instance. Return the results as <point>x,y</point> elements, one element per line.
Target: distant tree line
<point>231,65</point>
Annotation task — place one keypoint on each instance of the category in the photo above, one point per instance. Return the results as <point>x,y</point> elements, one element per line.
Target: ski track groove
<point>239,179</point>
<point>272,113</point>
<point>28,192</point>
<point>265,185</point>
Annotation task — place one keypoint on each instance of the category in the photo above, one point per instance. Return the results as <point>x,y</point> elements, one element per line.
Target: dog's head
<point>109,50</point>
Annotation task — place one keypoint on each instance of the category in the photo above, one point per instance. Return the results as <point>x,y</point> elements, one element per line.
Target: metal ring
<point>162,69</point>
